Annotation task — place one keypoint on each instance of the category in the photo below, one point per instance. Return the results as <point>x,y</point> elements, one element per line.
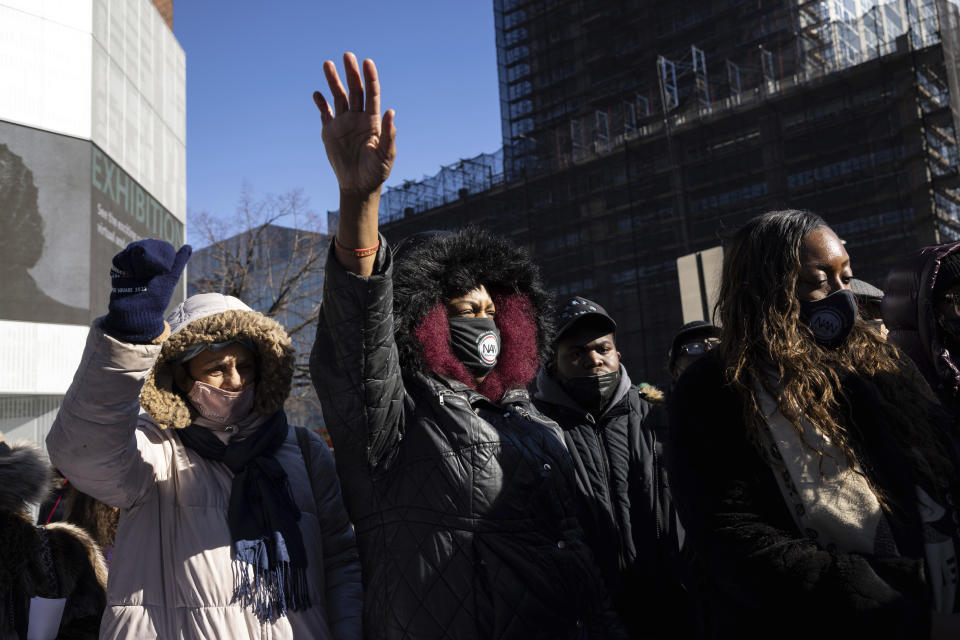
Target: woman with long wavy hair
<point>809,458</point>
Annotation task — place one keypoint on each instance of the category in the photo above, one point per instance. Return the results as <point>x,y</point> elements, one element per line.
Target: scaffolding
<point>453,182</point>
<point>705,113</point>
<point>688,95</point>
<point>826,41</point>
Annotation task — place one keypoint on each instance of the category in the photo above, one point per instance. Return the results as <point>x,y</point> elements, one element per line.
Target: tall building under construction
<point>639,131</point>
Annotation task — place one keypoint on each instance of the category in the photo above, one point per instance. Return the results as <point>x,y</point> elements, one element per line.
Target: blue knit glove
<point>144,276</point>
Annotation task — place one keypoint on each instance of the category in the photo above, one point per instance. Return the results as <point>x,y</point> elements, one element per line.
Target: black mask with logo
<point>831,319</point>
<point>593,393</point>
<point>476,343</point>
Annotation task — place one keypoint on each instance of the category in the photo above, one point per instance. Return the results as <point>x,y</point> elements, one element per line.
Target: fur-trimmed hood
<point>651,393</point>
<point>25,476</point>
<point>444,266</point>
<point>210,318</point>
<point>909,316</point>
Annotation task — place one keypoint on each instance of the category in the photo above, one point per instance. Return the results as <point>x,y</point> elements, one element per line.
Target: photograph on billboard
<point>44,226</point>
<point>66,208</point>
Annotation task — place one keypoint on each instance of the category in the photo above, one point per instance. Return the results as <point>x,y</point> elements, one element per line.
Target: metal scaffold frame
<point>452,182</point>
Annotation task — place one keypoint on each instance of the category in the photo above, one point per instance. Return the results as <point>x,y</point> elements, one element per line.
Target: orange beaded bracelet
<point>358,253</point>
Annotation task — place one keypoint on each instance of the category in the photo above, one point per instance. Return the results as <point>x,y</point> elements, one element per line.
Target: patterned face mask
<point>222,407</point>
<point>831,319</point>
<point>475,342</point>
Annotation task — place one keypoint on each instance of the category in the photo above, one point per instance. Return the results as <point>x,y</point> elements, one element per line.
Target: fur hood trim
<point>209,318</point>
<point>447,266</point>
<point>25,476</point>
<point>651,393</point>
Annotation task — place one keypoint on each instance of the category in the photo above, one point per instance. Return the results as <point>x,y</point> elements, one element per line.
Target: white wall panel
<point>39,358</point>
<point>131,131</point>
<point>45,64</point>
<point>69,13</point>
<point>99,87</point>
<point>113,145</point>
<point>28,417</point>
<point>146,66</point>
<point>100,21</point>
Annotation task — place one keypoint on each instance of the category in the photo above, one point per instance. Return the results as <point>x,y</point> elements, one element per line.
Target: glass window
<point>516,53</point>
<point>515,36</point>
<point>519,90</point>
<point>518,71</point>
<point>514,18</point>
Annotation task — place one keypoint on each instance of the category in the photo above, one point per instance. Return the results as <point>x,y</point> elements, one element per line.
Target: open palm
<point>360,146</point>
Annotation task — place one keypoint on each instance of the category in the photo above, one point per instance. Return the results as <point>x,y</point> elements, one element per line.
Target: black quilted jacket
<point>762,577</point>
<point>625,505</point>
<point>464,509</point>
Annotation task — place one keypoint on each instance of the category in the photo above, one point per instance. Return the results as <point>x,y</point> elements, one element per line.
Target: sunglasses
<point>700,347</point>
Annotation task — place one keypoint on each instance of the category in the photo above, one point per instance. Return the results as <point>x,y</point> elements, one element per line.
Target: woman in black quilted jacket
<point>809,465</point>
<point>461,493</point>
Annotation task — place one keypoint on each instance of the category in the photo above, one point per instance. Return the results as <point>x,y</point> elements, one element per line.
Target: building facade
<point>278,271</point>
<point>636,132</point>
<point>92,156</point>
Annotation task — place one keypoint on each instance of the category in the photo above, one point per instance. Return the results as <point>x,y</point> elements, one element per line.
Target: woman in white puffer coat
<point>232,523</point>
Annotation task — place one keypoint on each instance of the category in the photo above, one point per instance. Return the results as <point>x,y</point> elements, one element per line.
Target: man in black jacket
<point>694,340</point>
<point>624,501</point>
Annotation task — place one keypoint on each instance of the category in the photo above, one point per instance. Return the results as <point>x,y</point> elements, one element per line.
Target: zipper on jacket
<point>657,488</point>
<point>604,463</point>
<point>608,481</point>
<point>526,415</point>
<point>446,398</point>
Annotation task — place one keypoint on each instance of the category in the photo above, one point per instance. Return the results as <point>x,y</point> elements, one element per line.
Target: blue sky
<point>252,67</point>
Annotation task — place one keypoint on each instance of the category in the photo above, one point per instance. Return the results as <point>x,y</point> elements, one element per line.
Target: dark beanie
<point>949,273</point>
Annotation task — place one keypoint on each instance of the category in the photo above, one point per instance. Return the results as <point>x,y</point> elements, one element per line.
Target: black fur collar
<point>447,266</point>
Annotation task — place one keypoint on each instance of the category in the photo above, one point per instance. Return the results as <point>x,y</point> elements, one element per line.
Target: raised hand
<point>144,276</point>
<point>360,146</point>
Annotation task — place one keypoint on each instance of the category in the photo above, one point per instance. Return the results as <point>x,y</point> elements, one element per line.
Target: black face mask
<point>593,393</point>
<point>475,342</point>
<point>831,319</point>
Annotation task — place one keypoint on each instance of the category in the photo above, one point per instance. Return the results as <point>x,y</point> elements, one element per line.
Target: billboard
<point>65,209</point>
<point>122,211</point>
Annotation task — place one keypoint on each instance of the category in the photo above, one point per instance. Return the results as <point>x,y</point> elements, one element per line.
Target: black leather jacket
<point>464,508</point>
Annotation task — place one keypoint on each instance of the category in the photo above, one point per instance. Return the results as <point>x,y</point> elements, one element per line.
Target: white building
<point>92,156</point>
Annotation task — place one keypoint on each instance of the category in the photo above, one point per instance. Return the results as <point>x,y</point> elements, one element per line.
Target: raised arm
<point>361,148</point>
<point>94,441</point>
<point>354,364</point>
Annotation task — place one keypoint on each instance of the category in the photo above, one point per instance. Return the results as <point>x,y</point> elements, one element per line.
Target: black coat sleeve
<point>750,553</point>
<point>354,365</point>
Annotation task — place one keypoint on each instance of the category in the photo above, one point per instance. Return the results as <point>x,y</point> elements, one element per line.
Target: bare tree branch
<point>270,253</point>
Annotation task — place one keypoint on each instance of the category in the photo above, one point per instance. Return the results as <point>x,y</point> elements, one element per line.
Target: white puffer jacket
<point>171,572</point>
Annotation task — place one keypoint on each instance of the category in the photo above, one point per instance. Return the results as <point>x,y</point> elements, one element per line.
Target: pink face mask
<point>223,407</point>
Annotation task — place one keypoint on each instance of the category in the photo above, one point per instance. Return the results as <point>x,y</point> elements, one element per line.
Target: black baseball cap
<point>697,329</point>
<point>574,309</point>
<point>864,291</point>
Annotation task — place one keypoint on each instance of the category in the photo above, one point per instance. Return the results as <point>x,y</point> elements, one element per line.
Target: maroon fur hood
<point>430,271</point>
